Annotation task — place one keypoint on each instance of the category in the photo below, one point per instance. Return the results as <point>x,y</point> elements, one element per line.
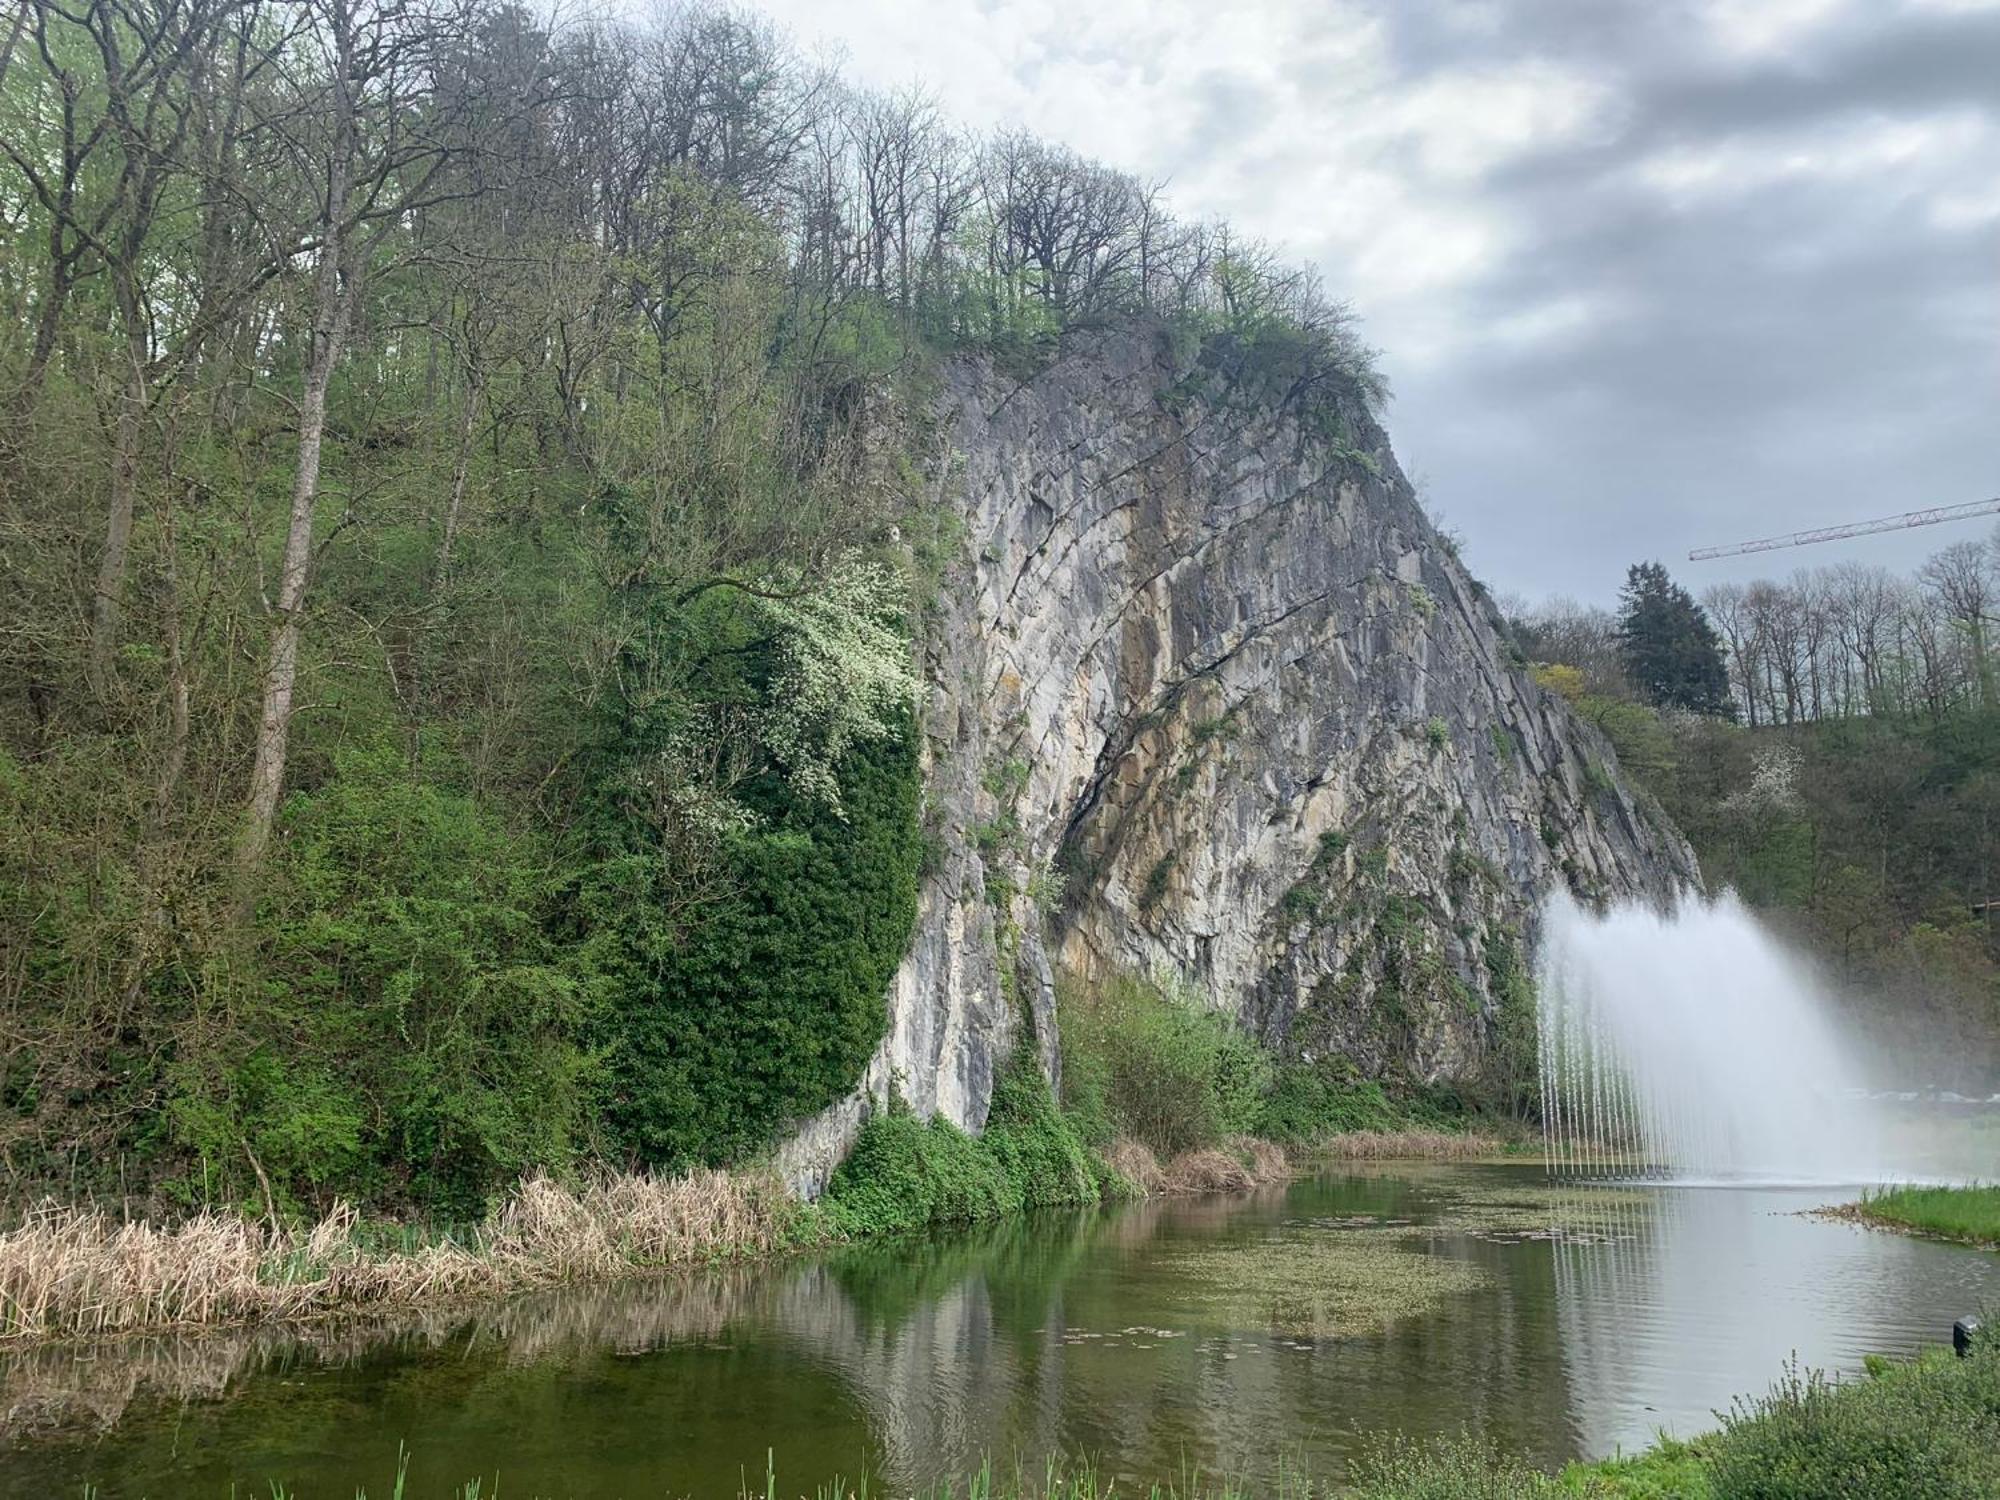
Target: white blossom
<point>844,672</point>
<point>1773,785</point>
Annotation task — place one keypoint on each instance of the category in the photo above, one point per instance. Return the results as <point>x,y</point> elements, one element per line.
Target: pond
<point>1230,1335</point>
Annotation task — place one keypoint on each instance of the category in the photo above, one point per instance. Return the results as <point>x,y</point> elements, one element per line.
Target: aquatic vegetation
<point>1496,1205</point>
<point>1307,1282</point>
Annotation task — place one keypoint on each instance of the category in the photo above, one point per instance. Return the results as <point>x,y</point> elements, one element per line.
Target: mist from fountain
<point>1690,1045</point>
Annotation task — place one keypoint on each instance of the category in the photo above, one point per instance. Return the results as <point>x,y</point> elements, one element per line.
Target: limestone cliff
<point>1208,693</point>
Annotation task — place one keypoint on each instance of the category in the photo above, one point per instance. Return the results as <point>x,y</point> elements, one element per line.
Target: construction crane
<point>1929,517</point>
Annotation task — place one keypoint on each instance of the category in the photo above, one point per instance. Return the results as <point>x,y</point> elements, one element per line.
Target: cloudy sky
<point>1646,274</point>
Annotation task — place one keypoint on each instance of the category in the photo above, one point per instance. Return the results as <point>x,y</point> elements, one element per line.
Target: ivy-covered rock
<point>718,1032</point>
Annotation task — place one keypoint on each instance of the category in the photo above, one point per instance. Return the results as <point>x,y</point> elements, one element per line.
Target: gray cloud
<point>1645,276</point>
<point>1806,349</point>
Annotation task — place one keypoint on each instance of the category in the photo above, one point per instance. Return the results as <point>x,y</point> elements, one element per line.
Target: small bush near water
<point>1153,1063</point>
<point>905,1173</point>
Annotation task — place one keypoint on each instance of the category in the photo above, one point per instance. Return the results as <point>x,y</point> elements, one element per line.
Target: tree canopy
<point>1668,648</point>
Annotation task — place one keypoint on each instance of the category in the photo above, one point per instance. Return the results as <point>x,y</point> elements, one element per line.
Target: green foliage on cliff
<point>904,1173</point>
<point>765,1008</point>
<point>1309,1102</point>
<point>1152,1062</point>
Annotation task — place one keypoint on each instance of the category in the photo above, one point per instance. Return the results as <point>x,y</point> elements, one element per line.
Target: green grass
<point>1967,1214</point>
<point>1669,1471</point>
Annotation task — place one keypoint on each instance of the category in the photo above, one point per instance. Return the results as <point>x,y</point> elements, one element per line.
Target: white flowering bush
<point>1773,784</point>
<point>844,672</point>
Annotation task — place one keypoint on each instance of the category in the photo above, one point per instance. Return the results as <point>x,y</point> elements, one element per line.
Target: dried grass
<point>1265,1159</point>
<point>78,1273</point>
<point>1135,1162</point>
<point>1207,1171</point>
<point>1387,1145</point>
<point>1242,1162</point>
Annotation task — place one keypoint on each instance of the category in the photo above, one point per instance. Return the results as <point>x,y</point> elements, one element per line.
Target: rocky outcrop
<point>1210,696</point>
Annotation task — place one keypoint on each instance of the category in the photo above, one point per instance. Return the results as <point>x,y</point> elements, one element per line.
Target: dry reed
<point>1206,1171</point>
<point>1241,1162</point>
<point>78,1273</point>
<point>70,1272</point>
<point>1266,1160</point>
<point>1387,1145</point>
<point>1135,1162</point>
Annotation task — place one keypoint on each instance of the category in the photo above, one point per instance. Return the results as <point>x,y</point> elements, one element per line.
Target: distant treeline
<point>1824,643</point>
<point>467,495</point>
<point>1831,746</point>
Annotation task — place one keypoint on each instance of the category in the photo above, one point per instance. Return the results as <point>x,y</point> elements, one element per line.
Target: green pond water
<point>1230,1335</point>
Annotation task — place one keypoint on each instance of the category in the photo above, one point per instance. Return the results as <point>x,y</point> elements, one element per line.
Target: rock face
<point>1210,697</point>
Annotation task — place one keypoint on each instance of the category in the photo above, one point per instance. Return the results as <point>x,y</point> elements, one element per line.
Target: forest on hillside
<point>1830,744</point>
<point>468,497</point>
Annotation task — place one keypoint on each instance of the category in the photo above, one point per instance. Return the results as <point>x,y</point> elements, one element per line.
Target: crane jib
<point>1929,517</point>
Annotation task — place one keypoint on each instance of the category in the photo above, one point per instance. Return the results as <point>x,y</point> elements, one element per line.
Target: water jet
<point>1688,1045</point>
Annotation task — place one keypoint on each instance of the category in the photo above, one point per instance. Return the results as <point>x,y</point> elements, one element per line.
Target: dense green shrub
<point>905,1173</point>
<point>1153,1063</point>
<point>1309,1101</point>
<point>1928,1429</point>
<point>412,1032</point>
<point>1044,1158</point>
<point>719,1031</point>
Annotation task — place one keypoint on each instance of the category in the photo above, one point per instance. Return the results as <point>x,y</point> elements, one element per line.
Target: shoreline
<point>73,1273</point>
<point>1967,1217</point>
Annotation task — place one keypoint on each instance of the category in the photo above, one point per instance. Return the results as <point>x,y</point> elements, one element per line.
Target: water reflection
<point>1228,1335</point>
<point>1715,1288</point>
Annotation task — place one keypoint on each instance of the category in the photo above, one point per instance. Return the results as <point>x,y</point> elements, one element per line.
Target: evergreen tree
<point>1669,649</point>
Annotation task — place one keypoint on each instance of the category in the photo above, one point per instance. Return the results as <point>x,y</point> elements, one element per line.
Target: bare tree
<point>1960,578</point>
<point>1863,601</point>
<point>1742,637</point>
<point>1565,632</point>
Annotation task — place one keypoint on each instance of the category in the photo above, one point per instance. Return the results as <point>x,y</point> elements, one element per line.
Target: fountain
<point>1690,1045</point>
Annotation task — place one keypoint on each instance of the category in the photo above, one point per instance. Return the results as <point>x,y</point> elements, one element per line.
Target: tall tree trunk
<point>333,294</point>
<point>108,600</point>
<point>48,323</point>
<point>167,782</point>
<point>14,30</point>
